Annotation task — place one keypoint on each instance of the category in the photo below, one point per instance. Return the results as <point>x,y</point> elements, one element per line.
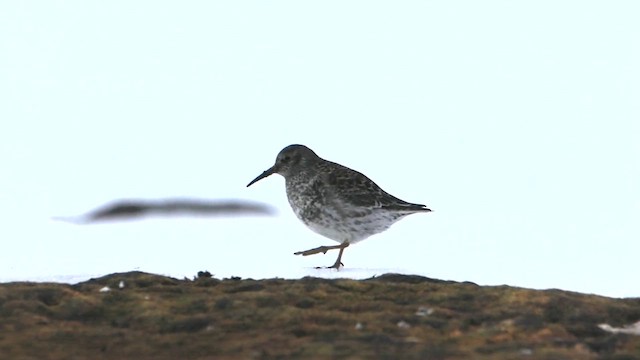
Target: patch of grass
<point>154,317</point>
<point>186,324</point>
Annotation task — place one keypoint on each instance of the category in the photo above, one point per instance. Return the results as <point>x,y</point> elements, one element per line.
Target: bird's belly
<point>351,225</point>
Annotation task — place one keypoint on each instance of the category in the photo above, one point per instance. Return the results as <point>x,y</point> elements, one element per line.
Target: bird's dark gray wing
<point>355,189</point>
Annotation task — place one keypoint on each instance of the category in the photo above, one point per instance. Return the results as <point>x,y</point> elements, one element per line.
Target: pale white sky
<point>517,122</point>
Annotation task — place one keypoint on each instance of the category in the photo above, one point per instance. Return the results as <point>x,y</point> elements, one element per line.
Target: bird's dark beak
<point>269,171</point>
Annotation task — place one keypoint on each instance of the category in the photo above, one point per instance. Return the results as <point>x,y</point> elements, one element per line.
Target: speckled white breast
<point>343,223</point>
<point>353,230</point>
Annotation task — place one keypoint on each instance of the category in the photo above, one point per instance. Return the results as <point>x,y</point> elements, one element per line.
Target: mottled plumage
<point>335,201</point>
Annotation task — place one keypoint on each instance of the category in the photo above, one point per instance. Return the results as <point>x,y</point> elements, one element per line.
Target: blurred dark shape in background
<point>131,209</point>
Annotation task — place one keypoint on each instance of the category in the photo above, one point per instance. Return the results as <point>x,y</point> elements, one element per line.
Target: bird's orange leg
<point>324,249</point>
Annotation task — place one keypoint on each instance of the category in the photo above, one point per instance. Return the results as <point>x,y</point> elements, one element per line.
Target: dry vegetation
<point>389,317</point>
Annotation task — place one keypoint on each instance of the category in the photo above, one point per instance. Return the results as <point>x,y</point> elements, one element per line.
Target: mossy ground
<point>388,317</point>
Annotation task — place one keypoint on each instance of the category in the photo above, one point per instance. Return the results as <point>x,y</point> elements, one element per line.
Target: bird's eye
<point>286,158</point>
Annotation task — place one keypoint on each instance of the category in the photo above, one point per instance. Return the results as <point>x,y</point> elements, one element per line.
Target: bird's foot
<point>320,249</point>
<point>336,266</point>
<point>324,249</point>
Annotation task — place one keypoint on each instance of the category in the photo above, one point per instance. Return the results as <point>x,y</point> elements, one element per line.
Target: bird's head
<point>289,161</point>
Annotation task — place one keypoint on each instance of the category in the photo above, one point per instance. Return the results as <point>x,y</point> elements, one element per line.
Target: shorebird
<point>334,201</point>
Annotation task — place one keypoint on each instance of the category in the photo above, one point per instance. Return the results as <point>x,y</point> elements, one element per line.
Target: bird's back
<point>356,189</point>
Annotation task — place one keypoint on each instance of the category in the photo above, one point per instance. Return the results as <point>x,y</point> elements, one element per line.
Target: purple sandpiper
<point>335,201</point>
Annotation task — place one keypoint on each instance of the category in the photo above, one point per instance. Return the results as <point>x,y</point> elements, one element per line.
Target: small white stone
<point>105,289</point>
<point>526,352</point>
<point>403,324</point>
<point>633,329</point>
<point>121,284</point>
<point>359,326</point>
